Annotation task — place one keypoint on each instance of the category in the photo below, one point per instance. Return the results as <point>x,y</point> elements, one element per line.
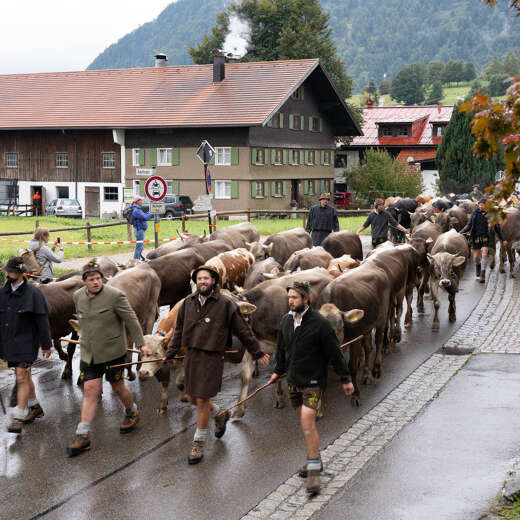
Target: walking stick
<point>349,342</point>
<point>75,341</point>
<point>249,396</point>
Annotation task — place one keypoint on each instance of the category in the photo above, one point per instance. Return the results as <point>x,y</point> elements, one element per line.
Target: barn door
<point>92,201</point>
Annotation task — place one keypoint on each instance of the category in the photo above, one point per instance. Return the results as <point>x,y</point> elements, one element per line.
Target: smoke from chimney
<point>238,38</point>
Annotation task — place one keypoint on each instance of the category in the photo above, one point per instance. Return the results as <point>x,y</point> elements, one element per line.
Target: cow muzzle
<point>445,282</point>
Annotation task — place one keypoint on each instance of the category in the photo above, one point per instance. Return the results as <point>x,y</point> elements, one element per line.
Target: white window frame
<point>278,162</point>
<point>222,189</point>
<point>311,159</point>
<point>276,192</point>
<point>109,164</point>
<point>223,156</point>
<point>326,158</point>
<point>293,152</point>
<point>11,155</point>
<point>315,119</point>
<point>135,156</point>
<point>168,153</point>
<point>137,183</point>
<point>260,153</point>
<point>62,160</point>
<point>260,195</point>
<point>312,187</point>
<point>105,193</point>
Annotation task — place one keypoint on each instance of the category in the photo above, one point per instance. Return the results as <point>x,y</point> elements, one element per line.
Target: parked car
<point>175,206</point>
<point>64,208</point>
<point>343,198</point>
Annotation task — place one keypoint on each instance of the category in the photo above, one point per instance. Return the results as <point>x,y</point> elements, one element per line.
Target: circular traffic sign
<point>155,188</point>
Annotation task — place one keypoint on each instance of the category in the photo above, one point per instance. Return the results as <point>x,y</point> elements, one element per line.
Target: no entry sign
<point>155,188</point>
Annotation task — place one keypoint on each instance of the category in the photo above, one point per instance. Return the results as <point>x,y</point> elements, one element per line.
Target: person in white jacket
<point>45,255</point>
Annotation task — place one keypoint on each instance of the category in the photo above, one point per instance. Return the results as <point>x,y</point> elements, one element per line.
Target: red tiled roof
<point>402,114</point>
<point>182,96</point>
<point>416,154</point>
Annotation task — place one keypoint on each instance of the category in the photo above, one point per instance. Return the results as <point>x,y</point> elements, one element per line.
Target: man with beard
<point>306,344</point>
<point>205,323</point>
<point>24,326</point>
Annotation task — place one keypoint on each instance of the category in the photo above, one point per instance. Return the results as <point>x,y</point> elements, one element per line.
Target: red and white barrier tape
<point>118,242</point>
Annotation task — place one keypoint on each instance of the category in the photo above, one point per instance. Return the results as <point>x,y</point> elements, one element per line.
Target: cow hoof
<point>239,412</point>
<point>502,270</point>
<point>354,401</point>
<point>407,324</point>
<point>279,405</point>
<point>367,380</point>
<point>435,327</point>
<point>420,310</point>
<point>67,375</point>
<point>452,318</point>
<point>131,375</point>
<point>63,356</point>
<point>180,386</point>
<point>397,339</point>
<point>512,275</point>
<point>161,411</point>
<point>376,373</point>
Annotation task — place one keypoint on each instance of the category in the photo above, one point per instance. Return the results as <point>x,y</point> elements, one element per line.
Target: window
<point>222,189</point>
<point>109,160</point>
<point>111,193</point>
<point>277,121</point>
<point>62,160</point>
<point>326,158</point>
<point>11,160</point>
<point>297,122</point>
<point>312,187</point>
<point>259,190</point>
<point>295,157</point>
<point>310,158</point>
<point>223,156</point>
<point>402,131</point>
<point>259,156</point>
<point>62,192</point>
<point>325,185</point>
<point>437,130</point>
<point>278,189</point>
<point>278,158</point>
<point>298,94</point>
<point>315,125</point>
<point>135,157</point>
<point>164,156</point>
<point>387,131</point>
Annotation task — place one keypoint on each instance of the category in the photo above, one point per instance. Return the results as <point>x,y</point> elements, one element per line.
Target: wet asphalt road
<point>145,473</point>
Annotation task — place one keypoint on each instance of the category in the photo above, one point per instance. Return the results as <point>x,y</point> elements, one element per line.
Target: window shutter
<point>253,155</point>
<point>175,156</point>
<point>281,120</point>
<point>291,121</point>
<point>284,156</point>
<point>266,156</point>
<point>141,157</point>
<point>322,157</point>
<point>323,189</point>
<point>234,156</point>
<point>306,157</point>
<point>305,187</point>
<point>153,156</point>
<point>234,189</point>
<point>302,93</point>
<point>283,188</point>
<point>253,189</point>
<point>302,157</point>
<point>141,189</point>
<point>273,156</point>
<point>321,124</point>
<point>310,122</point>
<point>302,122</point>
<point>175,187</point>
<point>273,187</point>
<point>266,189</point>
<point>332,158</point>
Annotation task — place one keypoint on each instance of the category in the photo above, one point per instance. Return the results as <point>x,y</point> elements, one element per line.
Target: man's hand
<point>274,377</point>
<point>348,388</point>
<point>264,360</point>
<point>46,353</point>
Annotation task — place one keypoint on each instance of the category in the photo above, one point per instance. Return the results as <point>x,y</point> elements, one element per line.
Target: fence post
<point>303,217</point>
<point>128,231</point>
<point>183,223</point>
<point>249,215</point>
<point>36,224</point>
<point>89,237</point>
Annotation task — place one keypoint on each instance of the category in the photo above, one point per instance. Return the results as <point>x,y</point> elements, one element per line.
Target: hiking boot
<point>302,472</point>
<point>477,269</point>
<point>220,423</point>
<point>130,422</point>
<point>482,278</point>
<point>197,452</point>
<point>15,426</point>
<point>313,482</point>
<point>81,443</point>
<point>35,412</point>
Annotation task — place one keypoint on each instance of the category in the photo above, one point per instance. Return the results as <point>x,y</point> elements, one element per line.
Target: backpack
<point>30,261</point>
<point>128,214</point>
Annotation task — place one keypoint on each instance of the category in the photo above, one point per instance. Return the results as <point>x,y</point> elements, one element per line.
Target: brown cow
<point>511,230</point>
<point>423,199</point>
<point>185,239</point>
<point>285,243</point>
<point>342,243</point>
<point>232,267</point>
<point>237,235</point>
<point>259,250</point>
<point>420,215</point>
<point>340,265</point>
<point>307,259</point>
<point>448,261</point>
<point>256,274</point>
<point>108,267</point>
<point>208,249</point>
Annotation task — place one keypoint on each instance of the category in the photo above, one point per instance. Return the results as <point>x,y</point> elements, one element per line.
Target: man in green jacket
<point>103,313</point>
<point>306,345</point>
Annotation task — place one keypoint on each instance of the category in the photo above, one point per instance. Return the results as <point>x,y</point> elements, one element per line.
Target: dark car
<point>63,208</point>
<point>175,206</point>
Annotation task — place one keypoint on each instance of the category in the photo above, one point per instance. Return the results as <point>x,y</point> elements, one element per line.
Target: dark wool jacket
<point>304,353</point>
<point>322,219</point>
<point>478,226</point>
<point>24,322</point>
<point>211,326</point>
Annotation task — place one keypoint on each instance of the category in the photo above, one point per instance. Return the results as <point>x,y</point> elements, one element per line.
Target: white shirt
<point>293,314</point>
<point>14,287</point>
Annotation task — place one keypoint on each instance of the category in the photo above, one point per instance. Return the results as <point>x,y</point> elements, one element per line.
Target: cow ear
<point>353,316</point>
<point>454,220</point>
<point>269,248</point>
<point>248,245</point>
<point>246,308</point>
<point>459,260</point>
<point>430,258</point>
<point>74,324</point>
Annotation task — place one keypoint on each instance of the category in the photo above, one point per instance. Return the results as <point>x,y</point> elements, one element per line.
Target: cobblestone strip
<point>349,453</point>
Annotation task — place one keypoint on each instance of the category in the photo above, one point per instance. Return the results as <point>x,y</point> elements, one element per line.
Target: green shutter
<point>322,186</point>
<point>281,120</point>
<point>302,157</point>
<point>321,124</point>
<point>234,189</point>
<point>153,156</point>
<point>175,187</point>
<point>273,187</point>
<point>284,156</point>
<point>305,187</point>
<point>291,121</point>
<point>141,157</point>
<point>253,155</point>
<point>283,188</point>
<point>273,156</point>
<point>322,157</point>
<point>306,157</point>
<point>302,122</point>
<point>266,189</point>
<point>253,189</point>
<point>266,156</point>
<point>175,156</point>
<point>141,188</point>
<point>234,156</point>
<point>310,122</point>
<point>270,123</point>
<point>302,93</point>
<point>332,158</point>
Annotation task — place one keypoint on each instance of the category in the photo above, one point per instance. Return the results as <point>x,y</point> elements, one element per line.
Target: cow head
<point>339,319</point>
<point>154,345</point>
<point>443,265</point>
<point>416,218</point>
<point>259,251</point>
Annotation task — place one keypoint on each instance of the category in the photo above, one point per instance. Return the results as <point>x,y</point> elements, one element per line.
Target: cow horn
<point>339,267</point>
<point>180,236</point>
<point>204,235</point>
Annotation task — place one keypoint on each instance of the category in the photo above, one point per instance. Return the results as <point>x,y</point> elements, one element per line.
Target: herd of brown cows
<point>362,298</point>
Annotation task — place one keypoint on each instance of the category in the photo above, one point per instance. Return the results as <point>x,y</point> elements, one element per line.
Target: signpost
<point>205,153</point>
<point>155,189</point>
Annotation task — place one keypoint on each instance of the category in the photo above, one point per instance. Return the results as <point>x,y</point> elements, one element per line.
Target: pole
<point>89,237</point>
<point>156,226</point>
<point>210,225</point>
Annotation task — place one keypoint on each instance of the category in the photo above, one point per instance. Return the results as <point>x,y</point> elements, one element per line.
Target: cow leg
<point>280,395</point>
<point>503,254</point>
<point>256,372</point>
<point>377,369</point>
<point>179,383</point>
<point>452,309</point>
<point>59,349</point>
<point>398,313</point>
<point>248,367</point>
<point>163,376</point>
<point>420,293</point>
<point>436,304</point>
<point>354,363</point>
<point>71,349</point>
<point>129,371</point>
<point>511,259</point>
<point>409,298</point>
<point>367,349</point>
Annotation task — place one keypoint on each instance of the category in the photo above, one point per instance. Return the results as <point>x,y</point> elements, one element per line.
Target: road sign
<point>205,152</point>
<point>128,194</point>
<point>155,188</point>
<point>203,203</point>
<point>157,208</point>
<point>145,171</point>
<point>208,180</point>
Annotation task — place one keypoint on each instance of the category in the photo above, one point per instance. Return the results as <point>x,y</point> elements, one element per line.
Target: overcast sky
<point>62,35</point>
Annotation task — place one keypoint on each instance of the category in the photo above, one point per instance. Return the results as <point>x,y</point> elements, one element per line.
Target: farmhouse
<point>91,134</point>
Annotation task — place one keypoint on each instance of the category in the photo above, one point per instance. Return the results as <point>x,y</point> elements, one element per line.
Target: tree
<point>496,86</point>
<point>378,172</point>
<point>469,71</point>
<point>459,168</point>
<point>292,29</point>
<point>454,71</point>
<point>435,94</point>
<point>511,65</point>
<point>384,87</point>
<point>435,72</point>
<point>495,68</point>
<point>408,85</point>
<point>476,86</point>
<point>371,88</point>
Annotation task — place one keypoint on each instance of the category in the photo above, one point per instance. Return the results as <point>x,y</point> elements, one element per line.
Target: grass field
<point>168,229</point>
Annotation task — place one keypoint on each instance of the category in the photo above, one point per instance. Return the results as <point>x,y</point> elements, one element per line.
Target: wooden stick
<point>350,342</point>
<point>75,341</point>
<point>2,405</point>
<point>249,396</point>
<point>133,350</point>
<point>122,365</point>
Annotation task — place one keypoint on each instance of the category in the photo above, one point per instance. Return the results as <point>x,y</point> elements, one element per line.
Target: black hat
<point>483,200</point>
<point>15,265</point>
<point>212,271</point>
<point>302,288</point>
<point>91,267</point>
<point>476,185</point>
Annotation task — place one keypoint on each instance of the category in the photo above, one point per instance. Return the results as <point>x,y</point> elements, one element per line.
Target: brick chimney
<point>219,66</point>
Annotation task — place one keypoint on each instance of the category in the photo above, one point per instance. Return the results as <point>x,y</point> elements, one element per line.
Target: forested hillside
<point>373,37</point>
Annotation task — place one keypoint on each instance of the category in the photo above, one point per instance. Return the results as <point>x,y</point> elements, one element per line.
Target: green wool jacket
<point>102,321</point>
<point>304,353</point>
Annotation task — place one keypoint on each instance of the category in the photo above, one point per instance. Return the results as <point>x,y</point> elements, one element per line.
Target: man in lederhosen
<point>323,219</point>
<point>205,323</point>
<point>482,238</point>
